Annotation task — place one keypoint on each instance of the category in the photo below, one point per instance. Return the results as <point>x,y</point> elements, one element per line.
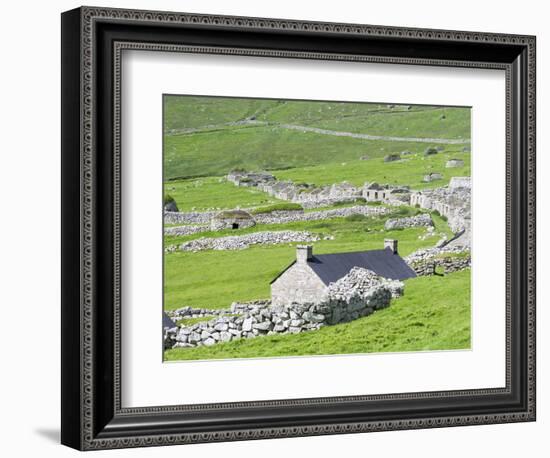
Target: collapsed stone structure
<point>453,202</point>
<point>392,195</point>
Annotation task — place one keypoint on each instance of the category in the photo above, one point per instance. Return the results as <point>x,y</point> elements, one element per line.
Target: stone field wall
<point>358,294</point>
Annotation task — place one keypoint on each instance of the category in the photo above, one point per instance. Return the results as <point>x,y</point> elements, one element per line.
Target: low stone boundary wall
<point>241,242</point>
<point>189,217</point>
<point>449,264</point>
<point>358,294</point>
<point>423,219</point>
<point>186,230</point>
<point>293,216</point>
<point>275,217</point>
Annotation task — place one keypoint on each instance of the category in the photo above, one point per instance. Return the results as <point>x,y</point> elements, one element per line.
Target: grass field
<point>205,138</point>
<point>408,171</point>
<point>214,192</point>
<point>265,148</point>
<point>434,314</point>
<point>214,279</point>
<point>185,112</point>
<point>217,147</point>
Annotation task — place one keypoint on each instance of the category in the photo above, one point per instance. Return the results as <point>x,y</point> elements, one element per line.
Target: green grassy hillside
<point>217,146</point>
<point>408,171</point>
<point>214,192</point>
<point>411,323</point>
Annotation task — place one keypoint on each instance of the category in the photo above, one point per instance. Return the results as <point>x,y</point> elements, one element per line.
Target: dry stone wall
<point>452,201</point>
<point>241,242</point>
<point>423,219</point>
<point>450,258</point>
<point>358,294</point>
<point>189,217</point>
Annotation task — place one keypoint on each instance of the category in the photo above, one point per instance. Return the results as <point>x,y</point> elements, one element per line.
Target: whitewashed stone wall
<point>299,284</point>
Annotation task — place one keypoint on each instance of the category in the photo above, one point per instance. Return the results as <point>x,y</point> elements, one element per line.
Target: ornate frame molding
<point>85,21</point>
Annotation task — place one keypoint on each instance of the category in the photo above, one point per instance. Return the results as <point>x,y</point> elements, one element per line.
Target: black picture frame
<point>92,40</point>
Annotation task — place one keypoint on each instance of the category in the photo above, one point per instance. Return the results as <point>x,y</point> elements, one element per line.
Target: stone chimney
<point>391,244</point>
<point>303,253</point>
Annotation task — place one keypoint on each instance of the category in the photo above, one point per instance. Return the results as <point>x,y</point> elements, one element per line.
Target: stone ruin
<point>392,195</point>
<point>452,201</point>
<point>232,219</point>
<point>248,179</point>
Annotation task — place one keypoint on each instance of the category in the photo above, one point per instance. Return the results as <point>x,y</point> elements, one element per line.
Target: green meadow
<point>206,137</point>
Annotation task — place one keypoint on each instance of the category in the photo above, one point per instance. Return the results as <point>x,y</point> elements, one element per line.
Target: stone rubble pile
<point>358,294</point>
<point>423,219</point>
<point>241,242</point>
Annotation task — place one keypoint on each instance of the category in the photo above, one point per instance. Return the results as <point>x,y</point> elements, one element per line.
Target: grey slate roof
<point>167,321</point>
<point>331,267</point>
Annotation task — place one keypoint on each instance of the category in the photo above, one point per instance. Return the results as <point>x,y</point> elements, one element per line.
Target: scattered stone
<point>434,176</point>
<point>392,157</point>
<point>452,163</point>
<point>430,151</point>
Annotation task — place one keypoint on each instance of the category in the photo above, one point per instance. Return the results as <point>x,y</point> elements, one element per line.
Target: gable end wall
<point>299,284</point>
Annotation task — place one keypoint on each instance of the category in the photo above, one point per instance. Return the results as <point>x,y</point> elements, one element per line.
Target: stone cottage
<point>231,219</point>
<point>307,279</point>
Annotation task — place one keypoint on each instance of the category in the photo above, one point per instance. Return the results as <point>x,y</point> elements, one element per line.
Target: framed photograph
<point>276,228</point>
